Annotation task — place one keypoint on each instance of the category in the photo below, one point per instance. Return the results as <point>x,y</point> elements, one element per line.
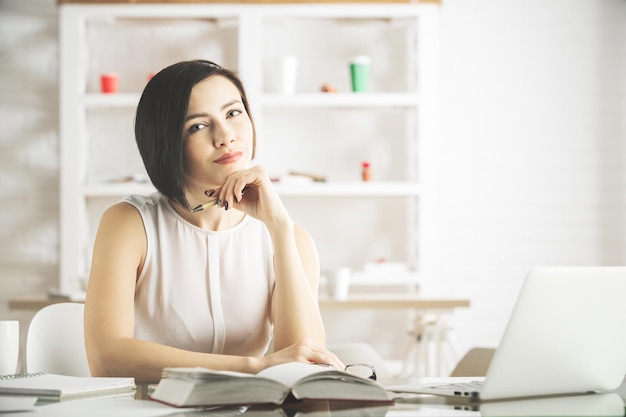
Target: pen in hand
<point>212,202</point>
<point>204,206</point>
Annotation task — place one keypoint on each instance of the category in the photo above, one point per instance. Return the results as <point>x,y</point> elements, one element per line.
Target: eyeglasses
<point>363,370</point>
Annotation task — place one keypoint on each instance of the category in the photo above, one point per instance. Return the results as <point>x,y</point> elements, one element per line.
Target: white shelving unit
<point>393,125</point>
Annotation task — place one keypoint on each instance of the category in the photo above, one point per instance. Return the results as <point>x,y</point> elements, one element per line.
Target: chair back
<point>474,363</point>
<point>55,342</point>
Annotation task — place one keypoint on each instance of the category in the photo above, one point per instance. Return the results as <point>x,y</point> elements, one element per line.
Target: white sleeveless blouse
<point>200,290</point>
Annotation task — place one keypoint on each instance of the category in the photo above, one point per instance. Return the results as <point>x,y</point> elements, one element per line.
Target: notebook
<point>63,386</point>
<point>566,335</point>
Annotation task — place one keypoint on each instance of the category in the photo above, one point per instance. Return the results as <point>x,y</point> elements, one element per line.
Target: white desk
<point>400,301</point>
<point>430,326</point>
<point>34,302</point>
<point>429,323</point>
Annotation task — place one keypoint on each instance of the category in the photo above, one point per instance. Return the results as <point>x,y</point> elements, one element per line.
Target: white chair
<point>474,363</point>
<point>55,342</point>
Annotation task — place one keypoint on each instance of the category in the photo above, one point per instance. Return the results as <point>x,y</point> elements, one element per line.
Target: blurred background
<point>530,168</point>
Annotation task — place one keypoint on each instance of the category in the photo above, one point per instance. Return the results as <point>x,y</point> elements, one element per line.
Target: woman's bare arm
<point>295,300</point>
<point>119,253</point>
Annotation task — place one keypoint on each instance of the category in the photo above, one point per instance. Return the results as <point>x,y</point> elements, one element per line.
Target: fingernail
<point>225,205</point>
<point>219,202</point>
<point>209,194</point>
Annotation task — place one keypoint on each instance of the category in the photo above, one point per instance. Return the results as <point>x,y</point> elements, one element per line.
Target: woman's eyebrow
<point>195,115</point>
<point>230,103</point>
<point>225,106</point>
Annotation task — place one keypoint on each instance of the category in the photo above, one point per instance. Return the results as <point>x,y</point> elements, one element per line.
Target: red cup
<point>109,83</point>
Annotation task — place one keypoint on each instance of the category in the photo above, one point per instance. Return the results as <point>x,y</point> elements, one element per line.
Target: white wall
<point>29,202</point>
<point>532,168</point>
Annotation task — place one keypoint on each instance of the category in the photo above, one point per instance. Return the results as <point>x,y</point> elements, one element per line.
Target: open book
<point>60,387</point>
<point>186,387</point>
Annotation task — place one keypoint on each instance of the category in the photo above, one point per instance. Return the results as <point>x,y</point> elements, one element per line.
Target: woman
<point>173,286</point>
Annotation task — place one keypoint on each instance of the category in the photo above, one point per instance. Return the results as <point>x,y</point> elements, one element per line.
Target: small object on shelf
<point>366,172</point>
<point>360,73</point>
<point>327,88</point>
<point>294,180</point>
<point>109,83</point>
<point>314,177</point>
<point>338,282</point>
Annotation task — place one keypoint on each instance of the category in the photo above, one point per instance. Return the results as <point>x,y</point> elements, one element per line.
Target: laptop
<point>608,404</point>
<point>566,335</point>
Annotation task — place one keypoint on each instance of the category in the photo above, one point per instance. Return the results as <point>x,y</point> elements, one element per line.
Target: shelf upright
<point>428,140</point>
<point>72,147</point>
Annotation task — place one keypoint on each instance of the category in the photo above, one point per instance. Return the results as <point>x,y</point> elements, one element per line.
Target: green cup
<point>360,73</point>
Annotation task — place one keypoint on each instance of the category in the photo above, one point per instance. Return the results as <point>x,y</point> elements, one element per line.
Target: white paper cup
<point>288,74</point>
<point>338,282</point>
<point>9,346</point>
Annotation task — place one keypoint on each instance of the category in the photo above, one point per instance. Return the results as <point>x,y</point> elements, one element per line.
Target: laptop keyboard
<point>462,389</point>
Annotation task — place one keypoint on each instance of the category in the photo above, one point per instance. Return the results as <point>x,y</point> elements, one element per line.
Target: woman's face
<point>218,134</point>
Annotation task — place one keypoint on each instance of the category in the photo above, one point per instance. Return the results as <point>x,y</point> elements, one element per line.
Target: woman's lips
<point>229,158</point>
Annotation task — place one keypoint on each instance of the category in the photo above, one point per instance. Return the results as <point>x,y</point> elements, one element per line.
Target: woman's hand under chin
<point>252,192</point>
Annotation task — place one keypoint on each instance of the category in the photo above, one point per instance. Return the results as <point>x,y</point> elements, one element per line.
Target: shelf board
<point>410,100</point>
<point>316,189</point>
<point>241,1</point>
<point>349,189</point>
<point>117,190</point>
<point>93,100</point>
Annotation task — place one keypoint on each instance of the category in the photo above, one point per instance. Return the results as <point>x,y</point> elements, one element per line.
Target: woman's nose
<point>223,136</point>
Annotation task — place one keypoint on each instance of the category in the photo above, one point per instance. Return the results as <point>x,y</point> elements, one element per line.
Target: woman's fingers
<point>231,191</point>
<point>317,354</point>
<point>237,184</point>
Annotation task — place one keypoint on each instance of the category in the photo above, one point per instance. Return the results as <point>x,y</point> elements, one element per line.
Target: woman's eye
<point>233,113</point>
<point>197,127</point>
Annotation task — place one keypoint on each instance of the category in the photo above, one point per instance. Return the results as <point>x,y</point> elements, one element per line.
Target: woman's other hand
<point>305,351</point>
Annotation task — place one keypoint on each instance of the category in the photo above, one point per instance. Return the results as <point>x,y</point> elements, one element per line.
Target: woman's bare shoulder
<point>121,237</point>
<point>122,209</point>
<point>121,216</point>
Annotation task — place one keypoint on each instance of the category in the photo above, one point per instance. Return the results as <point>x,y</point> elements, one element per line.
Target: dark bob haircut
<point>160,120</point>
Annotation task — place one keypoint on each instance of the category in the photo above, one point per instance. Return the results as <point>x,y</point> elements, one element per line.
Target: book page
<point>290,373</point>
<point>204,373</point>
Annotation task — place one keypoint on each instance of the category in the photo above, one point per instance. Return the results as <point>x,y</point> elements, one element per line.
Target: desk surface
<point>394,301</point>
<point>610,404</point>
<point>34,302</point>
<point>400,301</point>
